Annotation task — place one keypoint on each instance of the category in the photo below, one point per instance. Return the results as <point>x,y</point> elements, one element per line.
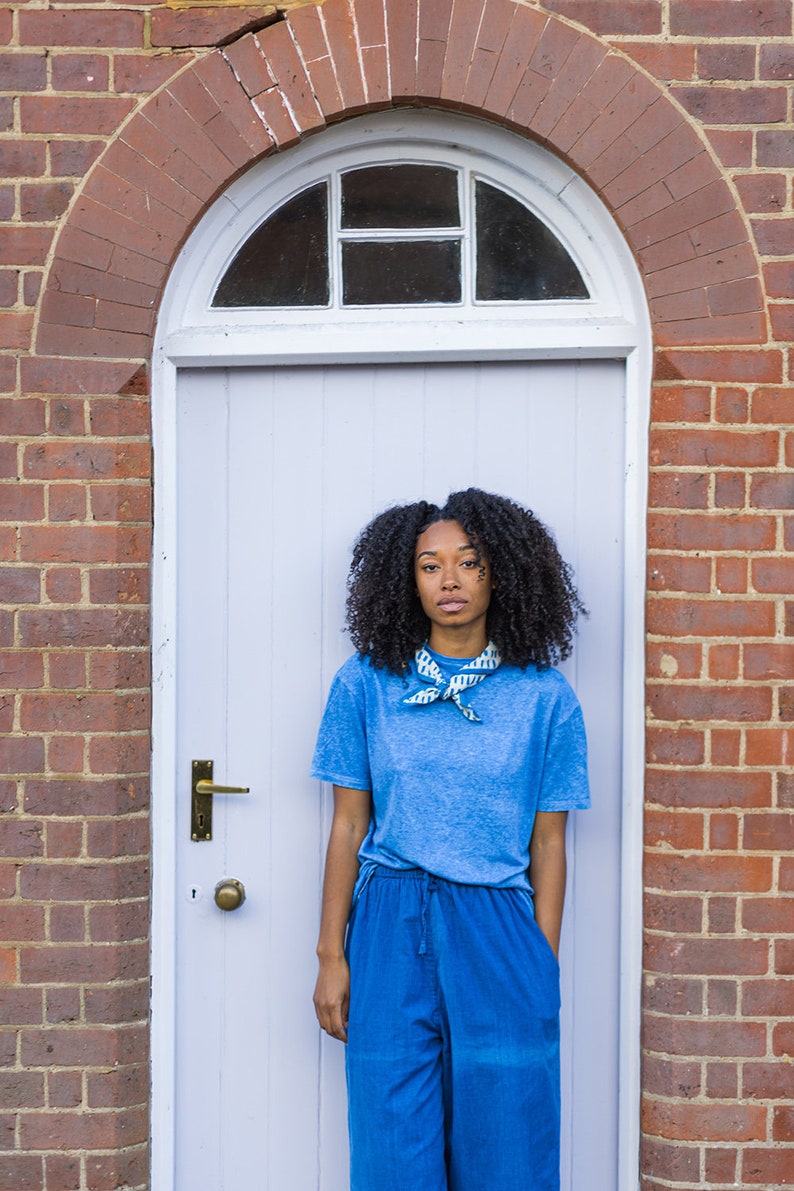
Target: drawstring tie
<point>429,886</point>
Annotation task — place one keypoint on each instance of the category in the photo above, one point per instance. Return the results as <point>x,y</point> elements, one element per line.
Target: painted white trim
<point>164,776</point>
<point>548,187</point>
<point>638,382</point>
<point>616,324</point>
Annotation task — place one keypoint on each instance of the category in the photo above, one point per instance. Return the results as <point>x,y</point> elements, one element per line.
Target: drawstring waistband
<point>429,886</point>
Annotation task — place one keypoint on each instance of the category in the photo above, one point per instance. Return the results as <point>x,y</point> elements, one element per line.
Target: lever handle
<point>205,787</point>
<point>202,788</point>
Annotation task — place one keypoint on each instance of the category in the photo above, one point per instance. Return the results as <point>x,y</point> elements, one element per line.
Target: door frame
<point>191,335</point>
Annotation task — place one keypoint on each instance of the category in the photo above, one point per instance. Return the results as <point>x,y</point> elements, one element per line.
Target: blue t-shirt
<point>454,797</point>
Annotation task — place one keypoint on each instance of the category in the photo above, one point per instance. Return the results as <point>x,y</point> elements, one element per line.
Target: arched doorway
<point>279,429</point>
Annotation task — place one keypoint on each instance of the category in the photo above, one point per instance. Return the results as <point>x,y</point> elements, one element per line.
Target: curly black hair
<point>534,604</point>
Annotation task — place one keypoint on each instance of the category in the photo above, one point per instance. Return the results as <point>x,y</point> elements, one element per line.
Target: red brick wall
<point>693,148</point>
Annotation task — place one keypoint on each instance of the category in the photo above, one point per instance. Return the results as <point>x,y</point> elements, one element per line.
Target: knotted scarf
<point>440,688</point>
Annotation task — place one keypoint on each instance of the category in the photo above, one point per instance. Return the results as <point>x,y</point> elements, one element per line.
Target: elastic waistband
<point>416,874</point>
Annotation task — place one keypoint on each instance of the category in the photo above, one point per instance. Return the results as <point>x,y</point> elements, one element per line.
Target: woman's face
<point>454,585</point>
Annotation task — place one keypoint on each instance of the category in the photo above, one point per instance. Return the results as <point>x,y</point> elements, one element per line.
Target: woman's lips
<point>452,605</point>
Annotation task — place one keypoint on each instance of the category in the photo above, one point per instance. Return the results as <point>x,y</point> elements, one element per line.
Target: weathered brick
<point>76,543</point>
<point>744,18</point>
<point>82,712</point>
<point>127,1168</point>
<point>80,72</point>
<point>683,915</point>
<point>769,832</point>
<point>768,916</point>
<point>23,72</point>
<point>96,796</point>
<point>730,490</point>
<point>612,16</point>
<point>726,61</point>
<point>74,963</point>
<point>90,1131</point>
<point>764,193</point>
<point>143,73</point>
<point>699,618</point>
<point>188,27</point>
<point>666,829</point>
<point>708,957</point>
<point>753,367</point>
<point>734,105</point>
<point>773,574</point>
<point>338,23</point>
<point>73,158</point>
<point>708,788</point>
<point>97,627</point>
<point>21,754</point>
<point>767,1167</point>
<point>691,701</point>
<point>724,829</point>
<point>775,148</point>
<point>704,1122</point>
<point>123,754</point>
<point>94,116</point>
<point>724,661</point>
<point>674,658</point>
<point>675,572</point>
<point>714,531</point>
<point>22,1172</point>
<point>683,746</point>
<point>81,28</point>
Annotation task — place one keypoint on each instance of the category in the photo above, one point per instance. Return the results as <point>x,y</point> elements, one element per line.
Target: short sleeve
<point>565,784</point>
<point>341,754</point>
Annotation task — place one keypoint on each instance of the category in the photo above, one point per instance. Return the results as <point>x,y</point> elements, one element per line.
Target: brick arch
<point>523,68</point>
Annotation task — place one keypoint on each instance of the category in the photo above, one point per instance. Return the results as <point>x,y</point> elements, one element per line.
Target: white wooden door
<point>278,469</point>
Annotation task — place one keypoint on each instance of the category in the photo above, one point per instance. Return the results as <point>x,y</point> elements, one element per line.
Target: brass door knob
<point>229,894</point>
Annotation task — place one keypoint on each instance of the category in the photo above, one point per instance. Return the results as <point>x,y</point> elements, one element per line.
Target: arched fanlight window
<point>400,234</point>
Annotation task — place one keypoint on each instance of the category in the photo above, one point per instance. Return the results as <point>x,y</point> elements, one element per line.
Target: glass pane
<point>392,196</point>
<point>377,273</point>
<point>518,258</point>
<point>285,261</point>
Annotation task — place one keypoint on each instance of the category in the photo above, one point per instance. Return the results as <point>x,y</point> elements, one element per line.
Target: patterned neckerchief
<point>439,688</point>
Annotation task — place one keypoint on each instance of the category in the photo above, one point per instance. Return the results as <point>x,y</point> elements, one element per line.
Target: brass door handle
<point>202,788</point>
<point>205,787</point>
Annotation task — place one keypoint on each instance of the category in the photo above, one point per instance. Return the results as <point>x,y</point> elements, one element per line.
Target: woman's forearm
<point>547,872</point>
<point>341,871</point>
<point>332,991</point>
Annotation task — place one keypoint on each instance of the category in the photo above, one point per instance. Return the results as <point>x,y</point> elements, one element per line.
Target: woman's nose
<point>449,579</point>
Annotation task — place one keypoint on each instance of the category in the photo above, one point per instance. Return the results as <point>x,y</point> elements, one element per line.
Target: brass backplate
<point>200,804</point>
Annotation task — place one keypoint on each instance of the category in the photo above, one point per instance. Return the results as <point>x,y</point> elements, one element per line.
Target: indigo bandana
<point>469,675</point>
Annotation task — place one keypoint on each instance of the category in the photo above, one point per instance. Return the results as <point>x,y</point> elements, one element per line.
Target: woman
<point>455,752</point>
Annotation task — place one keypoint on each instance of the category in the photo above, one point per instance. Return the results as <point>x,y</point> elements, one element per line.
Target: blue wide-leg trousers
<point>453,1039</point>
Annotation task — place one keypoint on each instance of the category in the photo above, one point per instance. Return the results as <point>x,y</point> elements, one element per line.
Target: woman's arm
<point>350,825</point>
<point>547,872</point>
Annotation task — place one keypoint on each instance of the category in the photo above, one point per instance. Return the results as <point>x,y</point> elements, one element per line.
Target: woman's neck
<point>459,643</point>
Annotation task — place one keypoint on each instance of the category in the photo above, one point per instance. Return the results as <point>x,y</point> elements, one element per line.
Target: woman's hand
<point>332,997</point>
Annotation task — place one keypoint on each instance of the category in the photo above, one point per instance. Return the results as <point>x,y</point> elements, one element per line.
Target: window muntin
<point>401,234</point>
